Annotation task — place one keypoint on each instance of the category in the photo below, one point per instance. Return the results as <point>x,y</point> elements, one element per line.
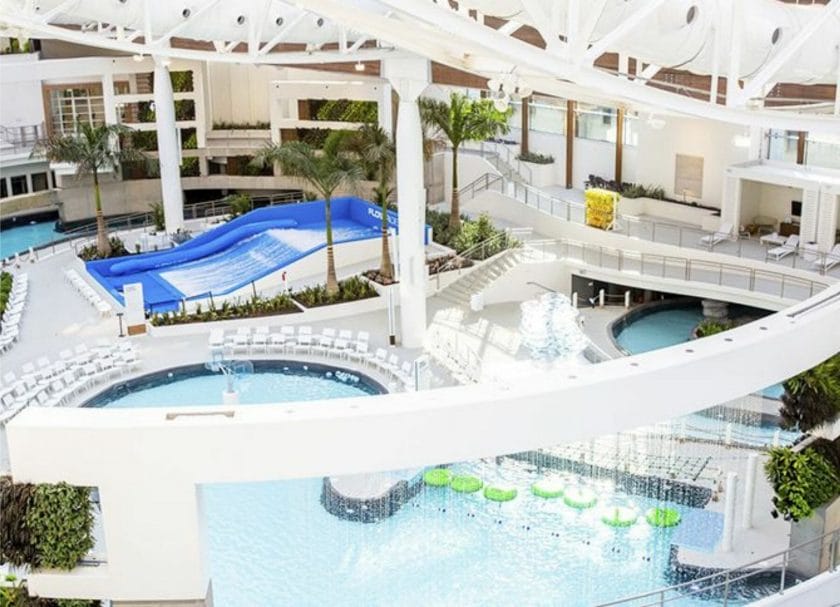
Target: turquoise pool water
<point>660,329</point>
<point>271,382</point>
<point>19,239</point>
<point>273,544</point>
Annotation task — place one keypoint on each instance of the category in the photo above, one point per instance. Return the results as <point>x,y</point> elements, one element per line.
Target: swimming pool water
<point>660,329</point>
<point>271,382</point>
<point>274,544</point>
<point>19,239</point>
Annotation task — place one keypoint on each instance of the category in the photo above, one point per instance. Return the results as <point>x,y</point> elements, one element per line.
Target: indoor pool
<point>270,382</point>
<point>669,327</point>
<point>19,239</point>
<point>274,544</point>
<point>659,329</point>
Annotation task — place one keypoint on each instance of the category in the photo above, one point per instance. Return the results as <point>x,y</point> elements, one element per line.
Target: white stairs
<point>460,291</point>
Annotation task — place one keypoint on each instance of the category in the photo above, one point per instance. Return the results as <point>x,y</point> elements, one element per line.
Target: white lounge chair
<point>722,233</point>
<point>829,260</point>
<point>784,250</point>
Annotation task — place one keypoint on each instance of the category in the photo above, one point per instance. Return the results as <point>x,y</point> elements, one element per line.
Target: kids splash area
<point>236,254</point>
<point>419,304</point>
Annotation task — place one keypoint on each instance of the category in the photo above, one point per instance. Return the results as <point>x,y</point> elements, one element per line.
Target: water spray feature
<point>233,370</point>
<point>550,329</point>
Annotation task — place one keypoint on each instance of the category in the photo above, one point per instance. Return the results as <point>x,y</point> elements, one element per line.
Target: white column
<point>168,152</point>
<point>108,98</point>
<point>386,114</point>
<point>736,31</point>
<point>749,490</point>
<point>729,512</point>
<point>827,218</point>
<point>409,77</point>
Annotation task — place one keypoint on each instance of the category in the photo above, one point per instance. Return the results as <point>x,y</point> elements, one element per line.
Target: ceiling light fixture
<point>360,67</point>
<point>138,58</point>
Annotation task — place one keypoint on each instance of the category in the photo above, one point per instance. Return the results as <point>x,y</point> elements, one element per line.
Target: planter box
<point>668,211</point>
<point>308,315</point>
<point>814,559</point>
<point>542,175</point>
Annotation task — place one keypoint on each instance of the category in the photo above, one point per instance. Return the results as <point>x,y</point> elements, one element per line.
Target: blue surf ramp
<point>231,256</point>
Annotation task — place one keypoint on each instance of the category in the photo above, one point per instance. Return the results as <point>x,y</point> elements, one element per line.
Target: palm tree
<point>375,147</point>
<point>325,170</point>
<point>812,398</point>
<point>462,119</point>
<point>92,149</point>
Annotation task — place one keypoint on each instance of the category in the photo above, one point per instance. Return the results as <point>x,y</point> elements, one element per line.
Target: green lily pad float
<point>466,484</point>
<point>437,477</point>
<point>547,488</point>
<point>500,494</point>
<point>663,517</point>
<point>619,516</point>
<point>580,498</point>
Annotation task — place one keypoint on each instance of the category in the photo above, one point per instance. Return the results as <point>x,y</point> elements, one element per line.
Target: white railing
<point>725,586</point>
<point>753,280</point>
<point>502,157</point>
<point>648,229</point>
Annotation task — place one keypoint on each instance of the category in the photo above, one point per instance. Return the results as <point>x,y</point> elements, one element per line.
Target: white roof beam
<point>61,8</point>
<point>281,35</point>
<point>648,73</point>
<point>546,24</point>
<point>586,27</point>
<point>164,39</point>
<point>611,38</point>
<point>510,27</point>
<point>756,85</point>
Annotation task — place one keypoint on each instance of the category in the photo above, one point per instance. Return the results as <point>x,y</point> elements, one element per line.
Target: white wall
<point>767,200</point>
<point>21,104</point>
<point>658,149</point>
<point>239,93</point>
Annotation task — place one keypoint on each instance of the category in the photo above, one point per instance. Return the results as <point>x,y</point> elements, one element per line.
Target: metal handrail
<point>689,267</point>
<point>729,576</point>
<point>816,262</point>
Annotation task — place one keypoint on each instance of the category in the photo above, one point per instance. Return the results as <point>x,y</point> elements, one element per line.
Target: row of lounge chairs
<point>13,314</point>
<point>329,342</point>
<point>52,383</point>
<point>79,283</point>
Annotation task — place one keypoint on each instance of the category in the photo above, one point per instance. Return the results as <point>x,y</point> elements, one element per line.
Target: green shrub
<point>158,217</point>
<point>241,126</point>
<point>812,398</point>
<point>90,252</point>
<point>712,326</point>
<point>352,289</point>
<point>251,308</point>
<point>536,158</point>
<point>802,481</point>
<point>61,523</point>
<point>6,282</point>
<point>471,233</point>
<point>239,205</point>
<point>16,544</point>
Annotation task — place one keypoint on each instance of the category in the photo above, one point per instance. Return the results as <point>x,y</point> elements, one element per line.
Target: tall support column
<point>108,99</point>
<point>410,77</point>
<point>168,150</point>
<point>729,512</point>
<point>619,143</point>
<point>749,490</point>
<point>570,142</point>
<point>385,113</point>
<point>525,143</point>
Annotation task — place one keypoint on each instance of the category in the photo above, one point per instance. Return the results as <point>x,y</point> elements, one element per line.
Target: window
<point>39,182</point>
<point>4,192</point>
<point>70,107</point>
<point>19,185</point>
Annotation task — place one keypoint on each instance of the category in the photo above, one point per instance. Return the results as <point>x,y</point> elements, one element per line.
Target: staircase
<point>461,290</point>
